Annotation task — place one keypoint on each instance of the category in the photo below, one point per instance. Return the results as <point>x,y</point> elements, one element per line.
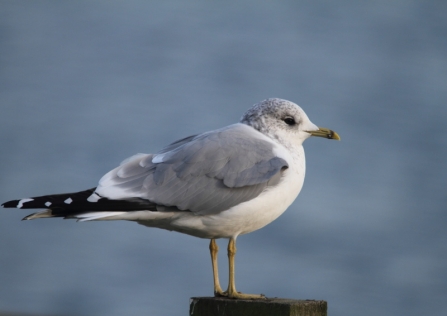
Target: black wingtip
<point>11,204</point>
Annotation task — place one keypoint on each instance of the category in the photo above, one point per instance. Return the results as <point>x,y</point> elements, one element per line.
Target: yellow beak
<point>325,132</point>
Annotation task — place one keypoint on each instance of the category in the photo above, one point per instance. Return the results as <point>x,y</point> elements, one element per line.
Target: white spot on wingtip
<point>20,205</point>
<point>47,204</point>
<point>68,201</point>
<point>93,198</point>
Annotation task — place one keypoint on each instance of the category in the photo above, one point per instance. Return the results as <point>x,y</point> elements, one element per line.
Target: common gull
<point>219,184</point>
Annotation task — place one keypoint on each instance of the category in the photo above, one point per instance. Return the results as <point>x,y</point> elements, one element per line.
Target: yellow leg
<point>213,251</point>
<point>232,293</point>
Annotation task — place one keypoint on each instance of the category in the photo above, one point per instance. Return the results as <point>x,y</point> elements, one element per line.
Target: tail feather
<point>70,205</point>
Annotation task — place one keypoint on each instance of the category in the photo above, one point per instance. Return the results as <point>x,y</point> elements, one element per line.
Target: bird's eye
<point>289,121</point>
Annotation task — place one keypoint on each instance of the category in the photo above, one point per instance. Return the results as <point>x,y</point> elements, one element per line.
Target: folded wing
<point>205,174</point>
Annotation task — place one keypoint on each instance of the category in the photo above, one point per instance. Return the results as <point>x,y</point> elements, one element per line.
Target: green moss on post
<point>218,306</point>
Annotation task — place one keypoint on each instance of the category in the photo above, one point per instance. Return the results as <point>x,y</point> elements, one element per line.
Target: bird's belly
<point>245,217</point>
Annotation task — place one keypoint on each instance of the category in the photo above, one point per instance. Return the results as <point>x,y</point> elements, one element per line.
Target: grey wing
<point>205,174</point>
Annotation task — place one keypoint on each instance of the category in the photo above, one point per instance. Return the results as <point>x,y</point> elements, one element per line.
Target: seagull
<point>218,184</point>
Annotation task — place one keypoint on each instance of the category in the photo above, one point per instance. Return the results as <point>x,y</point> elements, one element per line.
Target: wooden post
<point>220,306</point>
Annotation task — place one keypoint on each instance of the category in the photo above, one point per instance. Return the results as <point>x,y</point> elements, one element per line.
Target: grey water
<point>85,84</point>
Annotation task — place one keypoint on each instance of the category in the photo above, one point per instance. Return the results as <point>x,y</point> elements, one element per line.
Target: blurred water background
<point>85,84</point>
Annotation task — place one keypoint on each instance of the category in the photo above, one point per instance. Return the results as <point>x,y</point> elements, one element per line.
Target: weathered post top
<point>220,306</point>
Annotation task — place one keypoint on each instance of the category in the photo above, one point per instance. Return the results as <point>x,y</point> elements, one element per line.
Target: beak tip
<point>334,136</point>
<point>325,133</point>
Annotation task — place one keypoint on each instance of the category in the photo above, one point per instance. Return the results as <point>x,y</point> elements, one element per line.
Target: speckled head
<point>279,118</point>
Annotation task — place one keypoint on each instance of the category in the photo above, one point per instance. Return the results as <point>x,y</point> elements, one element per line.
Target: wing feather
<point>206,174</point>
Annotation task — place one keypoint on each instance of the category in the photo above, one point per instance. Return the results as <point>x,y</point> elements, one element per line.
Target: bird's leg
<point>213,251</point>
<point>232,293</point>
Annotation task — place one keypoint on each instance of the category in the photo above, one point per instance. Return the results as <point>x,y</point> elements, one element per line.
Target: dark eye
<point>289,121</point>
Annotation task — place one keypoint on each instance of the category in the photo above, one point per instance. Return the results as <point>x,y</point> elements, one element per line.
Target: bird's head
<point>284,121</point>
